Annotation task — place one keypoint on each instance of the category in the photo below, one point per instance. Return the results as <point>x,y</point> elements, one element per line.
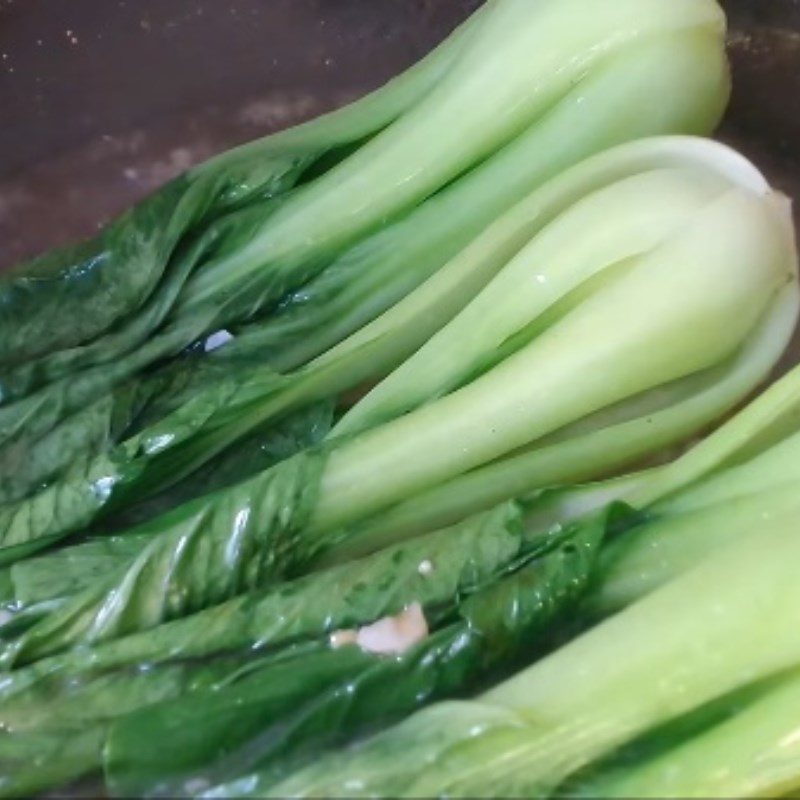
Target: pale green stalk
<point>642,91</point>
<point>651,555</point>
<point>744,489</point>
<point>756,753</point>
<point>457,283</point>
<point>540,277</point>
<point>521,59</point>
<point>678,309</point>
<point>765,421</point>
<point>564,459</point>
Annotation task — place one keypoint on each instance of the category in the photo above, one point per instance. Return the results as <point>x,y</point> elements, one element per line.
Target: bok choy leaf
<point>255,725</point>
<point>461,558</point>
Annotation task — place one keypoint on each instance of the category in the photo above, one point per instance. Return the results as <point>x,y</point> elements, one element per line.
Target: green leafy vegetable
<point>701,260</point>
<point>695,639</point>
<point>462,558</point>
<point>34,762</point>
<point>64,572</point>
<point>42,722</point>
<point>249,233</point>
<point>190,569</point>
<point>545,299</point>
<point>258,723</point>
<point>629,87</point>
<point>95,685</point>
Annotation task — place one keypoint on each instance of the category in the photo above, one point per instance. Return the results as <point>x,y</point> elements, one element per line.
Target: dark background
<point>103,100</point>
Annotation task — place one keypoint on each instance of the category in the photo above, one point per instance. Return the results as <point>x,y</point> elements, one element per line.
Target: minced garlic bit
<point>395,635</point>
<point>387,636</point>
<point>425,567</point>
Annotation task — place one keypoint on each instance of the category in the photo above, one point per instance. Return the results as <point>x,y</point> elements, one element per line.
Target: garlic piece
<point>394,635</point>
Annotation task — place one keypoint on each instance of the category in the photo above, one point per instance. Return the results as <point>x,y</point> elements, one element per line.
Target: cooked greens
<point>487,591</point>
<point>697,261</point>
<point>488,631</point>
<point>89,420</point>
<point>694,640</point>
<point>306,455</point>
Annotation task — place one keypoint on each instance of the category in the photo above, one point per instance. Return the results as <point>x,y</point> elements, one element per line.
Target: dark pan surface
<point>101,101</point>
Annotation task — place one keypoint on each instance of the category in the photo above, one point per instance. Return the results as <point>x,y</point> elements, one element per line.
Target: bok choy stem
<point>753,754</point>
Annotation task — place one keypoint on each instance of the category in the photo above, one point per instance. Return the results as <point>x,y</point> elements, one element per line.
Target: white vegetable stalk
<point>522,58</point>
<point>619,307</point>
<point>756,753</point>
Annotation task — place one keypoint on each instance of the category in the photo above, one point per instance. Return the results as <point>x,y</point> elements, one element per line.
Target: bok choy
<point>354,461</point>
<point>739,482</point>
<point>266,231</point>
<point>211,419</point>
<point>490,631</point>
<point>697,505</point>
<point>488,595</point>
<point>636,318</point>
<point>694,640</point>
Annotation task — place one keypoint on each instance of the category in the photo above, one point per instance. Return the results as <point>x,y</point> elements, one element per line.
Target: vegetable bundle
<point>295,242</point>
<point>224,553</point>
<point>695,640</point>
<point>224,576</point>
<point>517,579</point>
<point>696,270</point>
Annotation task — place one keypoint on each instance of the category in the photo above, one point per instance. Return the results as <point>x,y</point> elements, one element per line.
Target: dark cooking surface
<point>109,98</point>
<point>103,100</point>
